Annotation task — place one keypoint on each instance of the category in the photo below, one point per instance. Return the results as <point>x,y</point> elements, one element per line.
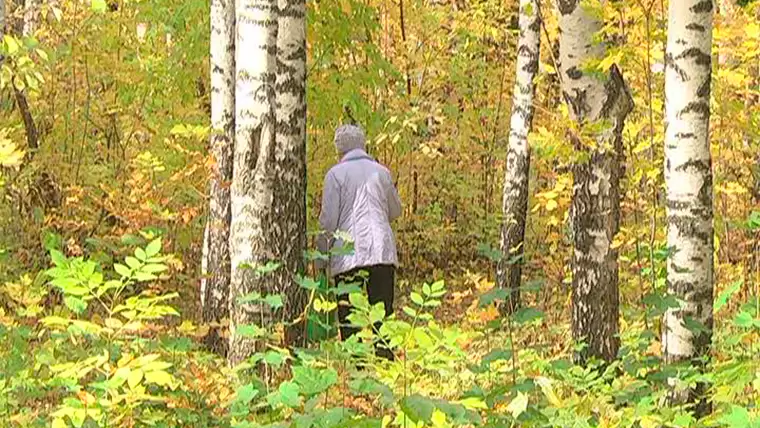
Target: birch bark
<point>215,282</point>
<point>600,105</point>
<point>254,221</point>
<point>688,181</point>
<point>290,155</point>
<point>515,192</point>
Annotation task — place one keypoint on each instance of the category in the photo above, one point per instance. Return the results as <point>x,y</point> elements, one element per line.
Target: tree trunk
<point>602,102</point>
<point>515,192</point>
<point>31,13</point>
<point>688,180</point>
<point>291,155</point>
<point>215,282</point>
<point>255,216</point>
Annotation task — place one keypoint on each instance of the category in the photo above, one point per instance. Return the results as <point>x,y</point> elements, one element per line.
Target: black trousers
<point>379,281</point>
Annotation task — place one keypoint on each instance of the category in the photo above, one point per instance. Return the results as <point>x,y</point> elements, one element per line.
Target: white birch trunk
<point>215,282</point>
<point>596,200</point>
<point>688,179</point>
<point>290,155</point>
<point>31,13</point>
<point>515,192</point>
<point>252,193</point>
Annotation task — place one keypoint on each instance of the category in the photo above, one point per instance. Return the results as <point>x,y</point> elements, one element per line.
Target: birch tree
<point>599,104</point>
<point>215,282</point>
<point>254,221</point>
<point>31,13</point>
<point>291,152</point>
<point>688,180</point>
<point>515,192</point>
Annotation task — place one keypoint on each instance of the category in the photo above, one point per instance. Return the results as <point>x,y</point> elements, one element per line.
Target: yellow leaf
<point>474,403</point>
<point>752,30</point>
<point>159,377</point>
<point>649,421</point>
<point>546,388</point>
<point>135,378</point>
<point>518,405</point>
<point>551,205</point>
<point>439,419</point>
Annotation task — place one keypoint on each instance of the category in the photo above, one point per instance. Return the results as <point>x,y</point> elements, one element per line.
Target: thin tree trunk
<point>253,208</point>
<point>215,283</point>
<point>516,174</point>
<point>291,155</point>
<point>31,14</point>
<point>688,180</point>
<point>602,102</point>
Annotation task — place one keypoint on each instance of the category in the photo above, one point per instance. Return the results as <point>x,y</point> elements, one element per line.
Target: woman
<point>359,199</point>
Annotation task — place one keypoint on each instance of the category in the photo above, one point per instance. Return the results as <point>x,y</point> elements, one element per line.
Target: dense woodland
<point>579,244</point>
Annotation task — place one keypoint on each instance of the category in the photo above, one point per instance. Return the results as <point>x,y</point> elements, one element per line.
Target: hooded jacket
<point>360,200</point>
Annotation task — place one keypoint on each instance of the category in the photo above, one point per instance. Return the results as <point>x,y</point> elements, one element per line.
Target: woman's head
<point>349,137</point>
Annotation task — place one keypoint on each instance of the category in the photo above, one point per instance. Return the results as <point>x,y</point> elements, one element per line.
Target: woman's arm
<point>328,217</point>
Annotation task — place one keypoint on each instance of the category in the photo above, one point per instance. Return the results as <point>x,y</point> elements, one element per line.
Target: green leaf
<point>525,315</point>
<point>75,304</point>
<point>417,298</point>
<point>122,270</point>
<point>274,301</point>
<point>153,268</point>
<point>726,294</point>
<point>739,417</point>
<point>372,387</point>
<point>287,394</point>
<point>153,248</point>
<point>495,294</point>
<point>246,394</point>
<point>140,254</point>
<point>418,408</point>
<point>251,331</point>
<point>377,313</point>
<point>274,358</point>
<point>744,319</point>
<point>695,326</point>
<point>132,262</point>
<point>98,6</point>
<point>58,258</point>
<point>313,381</point>
<point>307,282</point>
<point>144,276</point>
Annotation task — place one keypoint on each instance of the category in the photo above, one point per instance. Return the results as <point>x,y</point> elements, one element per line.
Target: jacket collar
<point>355,154</point>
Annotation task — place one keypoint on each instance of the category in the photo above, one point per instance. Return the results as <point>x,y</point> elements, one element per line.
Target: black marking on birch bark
<point>689,225</point>
<point>705,6</point>
<point>577,103</point>
<point>685,136</point>
<point>567,7</point>
<point>255,144</point>
<point>573,73</point>
<point>696,27</point>
<point>699,57</point>
<point>696,164</point>
<point>702,108</point>
<point>535,26</point>
<point>705,193</point>
<point>704,90</point>
<point>671,63</point>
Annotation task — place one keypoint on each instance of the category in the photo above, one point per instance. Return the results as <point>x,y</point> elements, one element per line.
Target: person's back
<point>367,204</point>
<point>359,199</point>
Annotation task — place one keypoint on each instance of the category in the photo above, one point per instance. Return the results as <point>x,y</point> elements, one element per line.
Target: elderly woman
<point>359,199</point>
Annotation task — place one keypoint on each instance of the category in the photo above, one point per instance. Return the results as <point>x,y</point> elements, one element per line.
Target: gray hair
<point>349,137</point>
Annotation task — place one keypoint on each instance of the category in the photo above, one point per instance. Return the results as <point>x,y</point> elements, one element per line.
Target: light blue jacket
<point>359,199</point>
